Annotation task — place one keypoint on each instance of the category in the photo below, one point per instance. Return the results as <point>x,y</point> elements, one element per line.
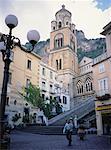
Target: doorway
<point>106,120</point>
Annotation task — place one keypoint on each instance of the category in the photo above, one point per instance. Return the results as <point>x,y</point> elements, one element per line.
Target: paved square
<point>28,141</point>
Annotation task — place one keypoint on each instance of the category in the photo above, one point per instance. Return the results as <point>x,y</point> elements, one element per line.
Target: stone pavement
<point>29,141</point>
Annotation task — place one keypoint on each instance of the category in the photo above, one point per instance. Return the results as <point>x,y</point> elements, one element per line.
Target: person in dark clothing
<point>81,132</point>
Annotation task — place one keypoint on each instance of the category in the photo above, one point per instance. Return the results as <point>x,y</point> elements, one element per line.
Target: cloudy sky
<point>88,15</point>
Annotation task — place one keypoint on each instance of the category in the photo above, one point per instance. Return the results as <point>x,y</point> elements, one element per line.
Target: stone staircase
<point>84,109</point>
<point>44,130</point>
<point>81,110</point>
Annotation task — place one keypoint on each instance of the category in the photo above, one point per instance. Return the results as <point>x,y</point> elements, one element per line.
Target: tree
<point>47,111</point>
<point>32,95</point>
<point>58,108</point>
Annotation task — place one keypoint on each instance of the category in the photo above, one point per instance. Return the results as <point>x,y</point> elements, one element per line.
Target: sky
<point>89,16</point>
<point>103,4</point>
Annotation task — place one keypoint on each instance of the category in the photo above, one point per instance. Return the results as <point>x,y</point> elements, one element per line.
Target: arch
<point>88,84</point>
<point>59,40</point>
<point>53,27</point>
<point>59,24</point>
<point>79,87</point>
<point>67,22</point>
<point>72,43</point>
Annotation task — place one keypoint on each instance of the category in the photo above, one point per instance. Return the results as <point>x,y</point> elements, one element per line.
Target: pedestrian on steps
<point>68,129</point>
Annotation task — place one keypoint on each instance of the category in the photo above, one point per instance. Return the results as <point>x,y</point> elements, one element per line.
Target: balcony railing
<point>103,94</point>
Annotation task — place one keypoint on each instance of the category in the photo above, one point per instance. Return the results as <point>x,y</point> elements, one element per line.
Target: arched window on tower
<point>58,41</point>
<point>72,43</point>
<point>67,23</point>
<point>88,85</point>
<point>79,87</point>
<point>53,28</point>
<point>59,64</point>
<point>60,24</point>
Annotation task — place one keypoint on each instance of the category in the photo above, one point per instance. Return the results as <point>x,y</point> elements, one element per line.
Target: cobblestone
<point>29,141</point>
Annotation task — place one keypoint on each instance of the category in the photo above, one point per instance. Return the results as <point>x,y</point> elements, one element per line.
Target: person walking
<point>68,129</point>
<point>81,132</point>
<point>65,127</point>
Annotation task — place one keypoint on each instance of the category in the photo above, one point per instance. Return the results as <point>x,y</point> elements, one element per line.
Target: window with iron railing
<point>103,86</point>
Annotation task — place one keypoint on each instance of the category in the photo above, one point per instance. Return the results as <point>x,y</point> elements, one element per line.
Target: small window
<point>43,96</point>
<point>60,25</point>
<point>101,68</point>
<point>66,23</point>
<point>27,83</point>
<point>50,97</point>
<point>51,75</point>
<point>84,61</point>
<point>59,99</point>
<point>29,64</point>
<point>53,28</point>
<point>43,84</point>
<point>50,87</point>
<point>15,102</point>
<point>64,100</point>
<point>43,71</point>
<point>103,85</point>
<point>60,64</point>
<point>57,65</point>
<point>61,41</point>
<point>10,78</point>
<point>47,98</point>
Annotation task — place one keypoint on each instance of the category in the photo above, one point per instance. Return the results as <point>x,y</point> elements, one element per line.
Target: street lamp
<point>7,43</point>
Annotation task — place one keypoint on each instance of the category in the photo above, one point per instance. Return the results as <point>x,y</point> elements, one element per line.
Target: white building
<point>51,88</point>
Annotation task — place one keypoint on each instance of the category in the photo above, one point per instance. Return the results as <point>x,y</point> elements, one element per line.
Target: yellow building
<point>24,69</point>
<point>102,84</point>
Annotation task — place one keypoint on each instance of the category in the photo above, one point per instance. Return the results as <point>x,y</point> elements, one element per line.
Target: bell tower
<point>63,46</point>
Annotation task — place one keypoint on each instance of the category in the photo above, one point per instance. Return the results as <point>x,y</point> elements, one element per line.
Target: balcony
<point>103,95</point>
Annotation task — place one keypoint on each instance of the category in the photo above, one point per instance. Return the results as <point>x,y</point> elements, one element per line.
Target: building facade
<point>102,84</point>
<point>51,88</point>
<point>58,72</point>
<point>63,48</point>
<point>83,83</point>
<point>24,69</point>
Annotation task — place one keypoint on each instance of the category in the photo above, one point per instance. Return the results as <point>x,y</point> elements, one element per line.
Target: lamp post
<point>7,43</point>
